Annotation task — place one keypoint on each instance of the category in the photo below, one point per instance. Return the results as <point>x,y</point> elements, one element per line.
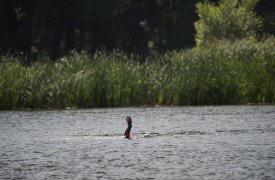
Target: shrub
<point>230,20</point>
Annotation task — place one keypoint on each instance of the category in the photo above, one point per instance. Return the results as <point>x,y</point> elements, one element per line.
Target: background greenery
<point>231,73</point>
<point>145,27</point>
<point>59,54</point>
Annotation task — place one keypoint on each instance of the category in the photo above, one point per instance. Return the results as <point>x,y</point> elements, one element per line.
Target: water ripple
<point>227,142</point>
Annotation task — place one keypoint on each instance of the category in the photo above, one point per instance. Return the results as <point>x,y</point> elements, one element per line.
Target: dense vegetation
<point>233,61</point>
<point>229,20</point>
<point>55,27</point>
<point>231,73</point>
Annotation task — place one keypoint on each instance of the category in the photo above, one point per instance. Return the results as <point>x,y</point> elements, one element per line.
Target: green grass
<point>228,73</point>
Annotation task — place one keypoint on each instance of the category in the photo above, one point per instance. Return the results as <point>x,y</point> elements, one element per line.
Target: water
<point>228,142</point>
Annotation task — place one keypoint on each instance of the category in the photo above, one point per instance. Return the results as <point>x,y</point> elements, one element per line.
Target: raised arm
<point>128,130</point>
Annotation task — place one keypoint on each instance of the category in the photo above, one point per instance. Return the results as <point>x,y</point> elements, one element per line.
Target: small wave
<point>245,131</point>
<point>193,132</point>
<point>136,135</point>
<point>233,131</point>
<point>94,136</point>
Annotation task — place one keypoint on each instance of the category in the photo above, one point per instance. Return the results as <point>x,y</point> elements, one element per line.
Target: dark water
<point>228,142</point>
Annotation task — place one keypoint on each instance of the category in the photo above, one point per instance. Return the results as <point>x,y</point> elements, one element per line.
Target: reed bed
<point>226,73</point>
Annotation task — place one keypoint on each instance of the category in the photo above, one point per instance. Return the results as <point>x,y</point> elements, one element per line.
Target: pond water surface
<point>211,142</point>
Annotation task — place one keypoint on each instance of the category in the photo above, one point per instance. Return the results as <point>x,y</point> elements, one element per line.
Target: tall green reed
<point>227,73</point>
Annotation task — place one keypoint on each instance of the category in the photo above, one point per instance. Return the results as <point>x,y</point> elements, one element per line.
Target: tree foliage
<point>133,26</point>
<point>229,20</point>
<point>56,27</point>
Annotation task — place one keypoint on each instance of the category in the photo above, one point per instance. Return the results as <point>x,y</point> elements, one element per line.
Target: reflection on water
<point>228,142</point>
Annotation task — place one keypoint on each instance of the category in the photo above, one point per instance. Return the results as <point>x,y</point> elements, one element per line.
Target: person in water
<point>128,130</point>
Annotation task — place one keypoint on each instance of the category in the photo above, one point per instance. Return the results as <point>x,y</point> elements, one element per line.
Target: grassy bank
<point>230,73</point>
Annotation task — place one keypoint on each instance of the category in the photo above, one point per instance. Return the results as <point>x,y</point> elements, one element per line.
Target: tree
<point>229,20</point>
<point>266,9</point>
<point>55,28</point>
